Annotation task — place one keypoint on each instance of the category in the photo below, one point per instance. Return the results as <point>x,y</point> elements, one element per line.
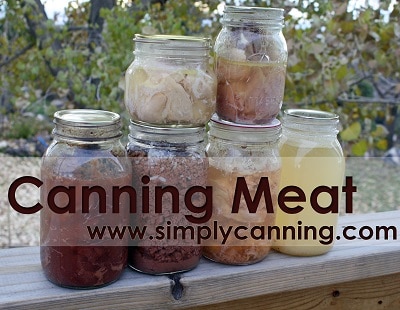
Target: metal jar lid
<point>87,124</point>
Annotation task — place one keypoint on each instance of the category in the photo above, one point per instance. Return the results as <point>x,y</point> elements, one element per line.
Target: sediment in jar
<point>70,257</point>
<point>249,92</point>
<point>164,259</point>
<point>167,95</point>
<point>181,171</point>
<point>236,255</point>
<point>234,251</point>
<point>83,266</point>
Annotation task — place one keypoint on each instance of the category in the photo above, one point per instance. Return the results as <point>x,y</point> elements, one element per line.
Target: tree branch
<point>77,28</point>
<point>96,22</point>
<point>16,55</point>
<point>359,80</point>
<point>35,21</point>
<point>360,99</point>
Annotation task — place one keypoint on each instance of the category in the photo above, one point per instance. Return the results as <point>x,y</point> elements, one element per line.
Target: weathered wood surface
<point>369,294</point>
<point>354,275</point>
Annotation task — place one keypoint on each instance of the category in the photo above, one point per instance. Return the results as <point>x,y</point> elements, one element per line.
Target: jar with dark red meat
<point>167,162</point>
<point>80,170</point>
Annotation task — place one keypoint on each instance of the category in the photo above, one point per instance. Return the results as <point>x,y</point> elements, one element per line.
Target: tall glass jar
<point>168,163</point>
<point>79,170</point>
<point>311,157</point>
<point>249,152</point>
<point>170,81</point>
<point>251,57</point>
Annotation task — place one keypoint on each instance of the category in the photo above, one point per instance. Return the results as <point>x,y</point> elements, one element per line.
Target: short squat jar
<point>243,162</point>
<point>167,164</point>
<point>311,157</point>
<point>170,82</point>
<point>251,58</point>
<point>80,167</point>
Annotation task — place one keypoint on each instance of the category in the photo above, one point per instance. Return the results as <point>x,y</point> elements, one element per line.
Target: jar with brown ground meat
<point>248,153</point>
<point>79,170</point>
<point>171,81</point>
<point>166,164</point>
<point>251,58</point>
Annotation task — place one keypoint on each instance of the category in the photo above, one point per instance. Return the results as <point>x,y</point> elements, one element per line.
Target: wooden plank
<point>23,285</point>
<point>279,273</point>
<point>368,294</point>
<point>36,292</point>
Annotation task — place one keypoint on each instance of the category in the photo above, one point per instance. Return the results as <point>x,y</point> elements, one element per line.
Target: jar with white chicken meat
<point>249,152</point>
<point>170,82</point>
<point>251,58</point>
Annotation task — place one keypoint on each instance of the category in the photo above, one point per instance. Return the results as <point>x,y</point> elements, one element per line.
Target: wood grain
<point>369,294</point>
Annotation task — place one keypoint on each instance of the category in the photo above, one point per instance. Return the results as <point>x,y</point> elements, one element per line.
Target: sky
<point>54,6</point>
<point>57,6</point>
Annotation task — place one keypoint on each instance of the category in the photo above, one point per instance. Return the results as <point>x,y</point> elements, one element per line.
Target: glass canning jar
<point>86,152</point>
<point>173,159</point>
<point>250,152</point>
<point>251,58</point>
<point>170,81</point>
<point>311,157</point>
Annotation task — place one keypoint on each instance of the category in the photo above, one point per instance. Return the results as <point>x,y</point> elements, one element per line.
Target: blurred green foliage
<point>336,56</point>
<point>25,127</point>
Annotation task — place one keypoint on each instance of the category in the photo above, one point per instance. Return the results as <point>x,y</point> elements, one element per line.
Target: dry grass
<point>18,229</point>
<point>378,184</point>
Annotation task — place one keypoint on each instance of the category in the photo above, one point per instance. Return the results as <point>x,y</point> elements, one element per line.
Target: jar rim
<point>86,117</point>
<point>275,123</point>
<point>243,132</point>
<point>174,41</point>
<point>309,114</point>
<point>179,134</point>
<point>239,15</point>
<point>87,125</point>
<point>251,9</point>
<point>312,122</point>
<point>172,129</point>
<point>172,47</point>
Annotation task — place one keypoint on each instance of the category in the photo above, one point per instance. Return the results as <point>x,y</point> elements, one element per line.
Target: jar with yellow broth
<point>313,164</point>
<point>244,164</point>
